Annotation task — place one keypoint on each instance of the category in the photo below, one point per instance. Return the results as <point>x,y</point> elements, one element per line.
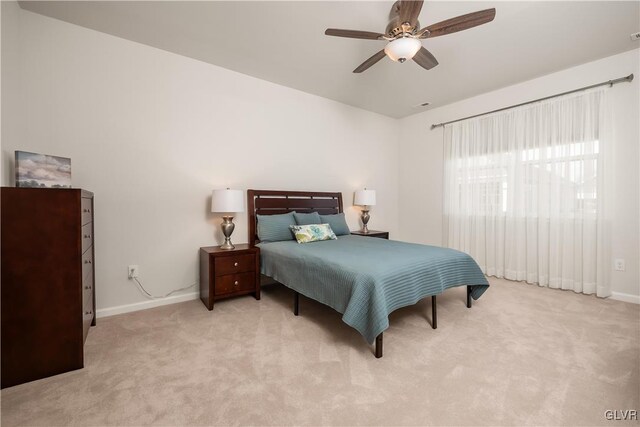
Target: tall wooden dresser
<point>48,299</point>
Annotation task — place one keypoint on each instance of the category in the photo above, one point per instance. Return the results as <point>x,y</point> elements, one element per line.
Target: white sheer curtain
<point>524,192</point>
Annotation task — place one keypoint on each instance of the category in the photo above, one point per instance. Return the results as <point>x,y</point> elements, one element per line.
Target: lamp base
<point>227,245</point>
<point>227,230</point>
<point>365,219</point>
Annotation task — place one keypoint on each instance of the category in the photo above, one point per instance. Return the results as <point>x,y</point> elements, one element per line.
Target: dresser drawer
<point>87,287</point>
<point>87,306</point>
<point>87,315</point>
<point>86,324</point>
<point>87,236</point>
<point>234,264</point>
<point>86,205</point>
<point>88,310</point>
<point>87,264</point>
<point>235,283</point>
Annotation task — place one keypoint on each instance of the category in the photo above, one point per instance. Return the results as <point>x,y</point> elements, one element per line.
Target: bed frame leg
<point>379,346</point>
<point>296,303</point>
<point>434,313</point>
<point>468,296</point>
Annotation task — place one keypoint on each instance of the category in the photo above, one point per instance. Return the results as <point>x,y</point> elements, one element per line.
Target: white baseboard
<point>619,296</point>
<point>128,308</point>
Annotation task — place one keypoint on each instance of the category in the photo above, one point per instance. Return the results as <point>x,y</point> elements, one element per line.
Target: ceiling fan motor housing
<point>396,29</point>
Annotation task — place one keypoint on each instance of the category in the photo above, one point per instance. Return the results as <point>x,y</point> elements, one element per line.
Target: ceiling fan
<point>404,33</point>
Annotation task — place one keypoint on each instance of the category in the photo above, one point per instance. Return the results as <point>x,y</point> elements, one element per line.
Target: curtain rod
<point>609,82</point>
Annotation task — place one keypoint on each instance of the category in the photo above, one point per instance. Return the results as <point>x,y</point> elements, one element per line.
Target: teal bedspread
<point>367,278</point>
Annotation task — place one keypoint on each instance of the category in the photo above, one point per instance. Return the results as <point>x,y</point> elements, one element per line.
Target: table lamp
<point>365,198</point>
<point>227,202</point>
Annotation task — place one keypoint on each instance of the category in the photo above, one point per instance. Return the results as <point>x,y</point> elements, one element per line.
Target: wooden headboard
<point>273,202</point>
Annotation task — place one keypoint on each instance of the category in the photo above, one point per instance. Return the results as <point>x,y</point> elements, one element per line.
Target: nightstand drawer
<point>235,283</point>
<point>234,264</point>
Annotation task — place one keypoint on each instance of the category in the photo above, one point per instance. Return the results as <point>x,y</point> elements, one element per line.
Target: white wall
<point>10,73</point>
<point>421,160</point>
<point>151,133</point>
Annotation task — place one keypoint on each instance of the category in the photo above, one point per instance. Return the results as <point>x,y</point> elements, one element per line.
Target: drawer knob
<point>235,283</point>
<point>235,264</point>
<point>87,236</point>
<point>87,261</point>
<point>87,287</point>
<point>88,312</point>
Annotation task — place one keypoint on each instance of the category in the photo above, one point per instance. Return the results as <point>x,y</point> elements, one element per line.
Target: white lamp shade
<point>227,201</point>
<point>365,197</point>
<point>405,47</point>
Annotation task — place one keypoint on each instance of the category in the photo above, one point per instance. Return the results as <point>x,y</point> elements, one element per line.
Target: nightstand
<point>227,273</point>
<point>372,233</point>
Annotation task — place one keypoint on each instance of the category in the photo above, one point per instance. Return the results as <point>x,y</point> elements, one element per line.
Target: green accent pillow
<point>275,228</point>
<point>307,218</point>
<point>313,233</point>
<point>337,222</point>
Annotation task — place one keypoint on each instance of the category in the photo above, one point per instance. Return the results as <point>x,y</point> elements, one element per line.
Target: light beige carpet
<point>523,355</point>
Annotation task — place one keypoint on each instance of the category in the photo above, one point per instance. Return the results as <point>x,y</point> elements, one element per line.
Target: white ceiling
<point>284,42</point>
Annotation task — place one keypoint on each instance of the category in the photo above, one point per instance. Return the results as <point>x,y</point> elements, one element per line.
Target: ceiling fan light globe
<point>402,49</point>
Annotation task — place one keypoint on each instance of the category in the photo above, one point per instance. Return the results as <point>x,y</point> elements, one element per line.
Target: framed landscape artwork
<point>42,171</point>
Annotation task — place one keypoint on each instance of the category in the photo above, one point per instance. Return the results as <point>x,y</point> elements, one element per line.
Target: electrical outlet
<point>635,36</point>
<point>619,264</point>
<point>133,271</point>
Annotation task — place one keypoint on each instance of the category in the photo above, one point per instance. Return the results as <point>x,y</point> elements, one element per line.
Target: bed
<point>363,278</point>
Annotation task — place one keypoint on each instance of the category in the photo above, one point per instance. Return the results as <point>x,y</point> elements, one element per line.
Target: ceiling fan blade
<point>459,23</point>
<point>425,59</point>
<point>353,34</point>
<point>369,62</point>
<point>409,11</point>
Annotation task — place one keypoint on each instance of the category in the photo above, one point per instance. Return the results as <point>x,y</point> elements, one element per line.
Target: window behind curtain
<point>522,191</point>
